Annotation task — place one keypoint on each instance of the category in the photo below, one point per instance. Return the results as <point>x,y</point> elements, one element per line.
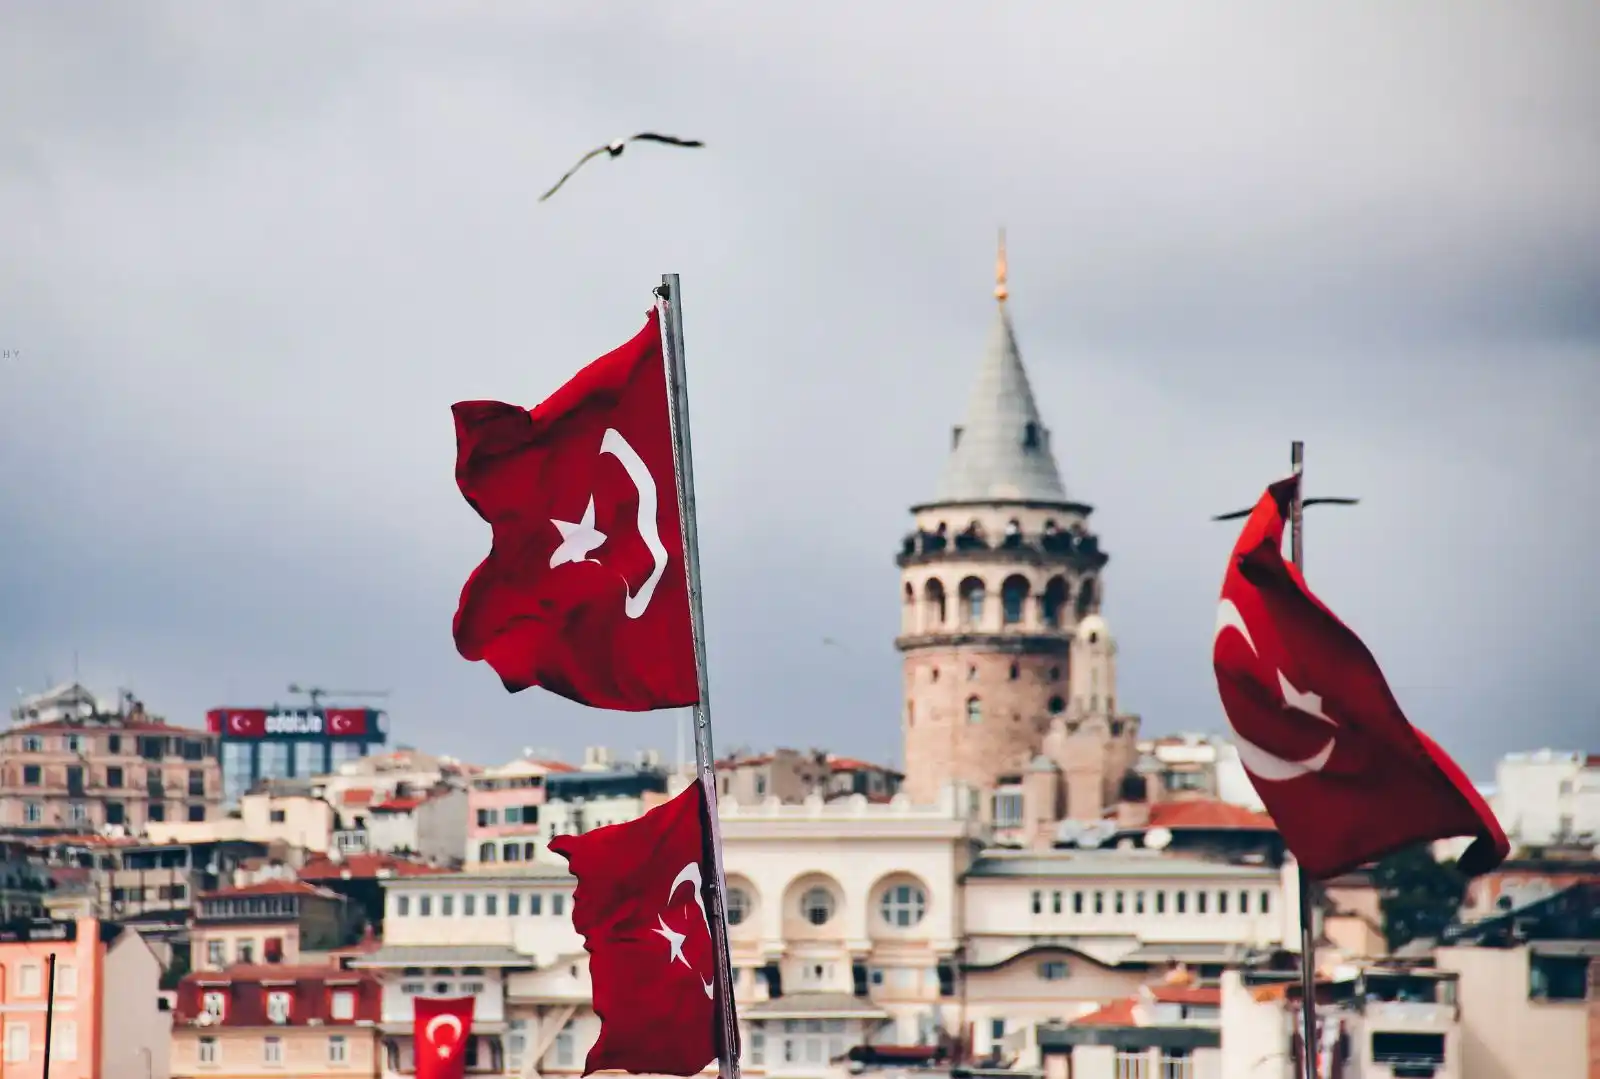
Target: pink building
<point>108,1023</point>
<point>503,811</point>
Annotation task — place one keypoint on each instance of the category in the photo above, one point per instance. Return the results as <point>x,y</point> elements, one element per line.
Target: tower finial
<point>1000,290</point>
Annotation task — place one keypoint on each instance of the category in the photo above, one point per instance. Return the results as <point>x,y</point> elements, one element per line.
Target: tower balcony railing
<point>1054,546</point>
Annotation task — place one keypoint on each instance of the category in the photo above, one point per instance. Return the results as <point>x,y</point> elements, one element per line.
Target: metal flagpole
<point>1308,973</point>
<point>669,302</point>
<point>49,1012</point>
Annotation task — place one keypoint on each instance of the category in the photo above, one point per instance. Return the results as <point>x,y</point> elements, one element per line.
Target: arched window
<point>972,601</point>
<point>1088,595</point>
<point>1013,598</point>
<point>933,612</point>
<point>903,905</point>
<point>908,610</point>
<point>817,906</point>
<point>738,905</point>
<point>974,710</point>
<point>1053,601</point>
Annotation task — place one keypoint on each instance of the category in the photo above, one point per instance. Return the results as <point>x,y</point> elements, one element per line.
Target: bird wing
<point>670,140</point>
<point>582,161</point>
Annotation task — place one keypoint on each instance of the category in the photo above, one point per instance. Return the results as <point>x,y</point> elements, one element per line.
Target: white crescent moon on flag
<point>430,1032</point>
<point>1257,761</point>
<point>618,447</point>
<point>691,874</point>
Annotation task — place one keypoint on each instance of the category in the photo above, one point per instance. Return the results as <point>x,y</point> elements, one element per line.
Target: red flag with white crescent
<point>440,1029</point>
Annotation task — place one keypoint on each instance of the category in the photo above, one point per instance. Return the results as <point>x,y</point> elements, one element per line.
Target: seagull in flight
<point>615,150</point>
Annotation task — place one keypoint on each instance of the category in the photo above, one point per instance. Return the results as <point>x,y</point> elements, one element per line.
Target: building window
<point>244,951</point>
<point>816,906</point>
<point>1053,970</point>
<point>272,1050</point>
<point>535,904</point>
<point>116,813</point>
<point>447,906</point>
<point>1038,902</point>
<point>206,1051</point>
<point>558,904</point>
<point>32,813</point>
<point>491,906</point>
<point>1182,901</point>
<point>527,852</point>
<point>486,852</point>
<point>277,816</point>
<point>1133,1064</point>
<point>1176,1064</point>
<point>343,1005</point>
<point>216,957</point>
<point>64,1040</point>
<point>1099,902</point>
<point>1200,902</point>
<point>1244,902</point>
<point>1013,597</point>
<point>32,775</point>
<point>903,905</point>
<point>402,906</point>
<point>758,1044</point>
<point>1265,905</point>
<point>32,743</point>
<point>16,1043</point>
<point>469,905</point>
<point>813,1041</point>
<point>1077,902</point>
<point>1161,902</point>
<point>28,980</point>
<point>513,852</point>
<point>1008,807</point>
<point>566,1049</point>
<point>1558,977</point>
<point>737,905</point>
<point>1055,902</point>
<point>1138,902</point>
<point>197,814</point>
<point>338,1050</point>
<point>974,710</point>
<point>66,980</point>
<point>513,905</point>
<point>1222,902</point>
<point>278,1007</point>
<point>214,1004</point>
<point>1117,902</point>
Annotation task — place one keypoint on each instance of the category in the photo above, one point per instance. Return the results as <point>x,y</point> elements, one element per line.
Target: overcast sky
<point>250,254</point>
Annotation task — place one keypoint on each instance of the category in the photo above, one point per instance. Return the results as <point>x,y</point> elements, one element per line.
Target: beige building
<point>792,775</point>
<point>1007,664</point>
<point>269,922</point>
<point>72,764</point>
<point>295,820</point>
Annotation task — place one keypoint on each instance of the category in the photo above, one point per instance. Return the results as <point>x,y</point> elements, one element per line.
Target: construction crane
<point>316,693</point>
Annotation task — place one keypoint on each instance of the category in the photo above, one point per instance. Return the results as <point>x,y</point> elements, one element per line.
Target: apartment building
<point>303,1020</point>
<point>71,764</point>
<point>108,1022</point>
<point>270,922</point>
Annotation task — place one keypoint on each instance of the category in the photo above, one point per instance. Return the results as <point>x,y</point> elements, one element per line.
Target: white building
<point>1548,796</point>
<point>431,825</point>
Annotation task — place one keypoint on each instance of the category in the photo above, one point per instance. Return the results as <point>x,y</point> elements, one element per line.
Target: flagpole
<point>1308,973</point>
<point>669,302</point>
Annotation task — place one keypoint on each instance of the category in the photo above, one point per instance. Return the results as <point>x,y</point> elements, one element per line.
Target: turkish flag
<point>584,590</point>
<point>641,907</point>
<point>440,1028</point>
<point>1345,776</point>
<point>243,722</point>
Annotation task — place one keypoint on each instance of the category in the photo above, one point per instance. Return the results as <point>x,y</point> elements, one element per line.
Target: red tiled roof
<point>742,762</point>
<point>148,726</point>
<point>555,766</point>
<point>268,887</point>
<point>852,764</point>
<point>1186,994</point>
<point>356,796</point>
<point>1207,814</point>
<point>1118,1013</point>
<point>364,866</point>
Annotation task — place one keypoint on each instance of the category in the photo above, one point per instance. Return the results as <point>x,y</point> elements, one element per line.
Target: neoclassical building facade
<point>1008,666</point>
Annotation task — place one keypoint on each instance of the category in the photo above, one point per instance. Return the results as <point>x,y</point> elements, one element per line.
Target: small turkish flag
<point>584,591</point>
<point>440,1028</point>
<point>1345,776</point>
<point>640,905</point>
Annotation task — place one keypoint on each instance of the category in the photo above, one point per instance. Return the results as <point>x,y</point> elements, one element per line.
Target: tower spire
<point>1000,289</point>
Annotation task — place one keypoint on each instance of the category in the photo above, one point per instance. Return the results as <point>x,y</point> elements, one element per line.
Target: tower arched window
<point>1013,598</point>
<point>933,610</point>
<point>1030,436</point>
<point>1053,601</point>
<point>1088,593</point>
<point>974,710</point>
<point>972,596</point>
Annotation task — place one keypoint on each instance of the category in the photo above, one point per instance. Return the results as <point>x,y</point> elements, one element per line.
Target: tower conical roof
<point>1002,451</point>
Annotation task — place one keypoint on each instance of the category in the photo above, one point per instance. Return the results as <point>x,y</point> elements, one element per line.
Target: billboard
<point>271,723</point>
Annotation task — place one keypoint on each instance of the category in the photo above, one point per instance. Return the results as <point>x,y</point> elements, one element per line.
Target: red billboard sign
<point>273,723</point>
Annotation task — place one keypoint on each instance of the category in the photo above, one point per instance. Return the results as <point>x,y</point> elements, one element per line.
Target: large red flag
<point>1346,777</point>
<point>440,1028</point>
<point>583,591</point>
<point>640,905</point>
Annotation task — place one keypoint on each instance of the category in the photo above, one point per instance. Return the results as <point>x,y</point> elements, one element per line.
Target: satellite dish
<point>1157,838</point>
<point>1067,832</point>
